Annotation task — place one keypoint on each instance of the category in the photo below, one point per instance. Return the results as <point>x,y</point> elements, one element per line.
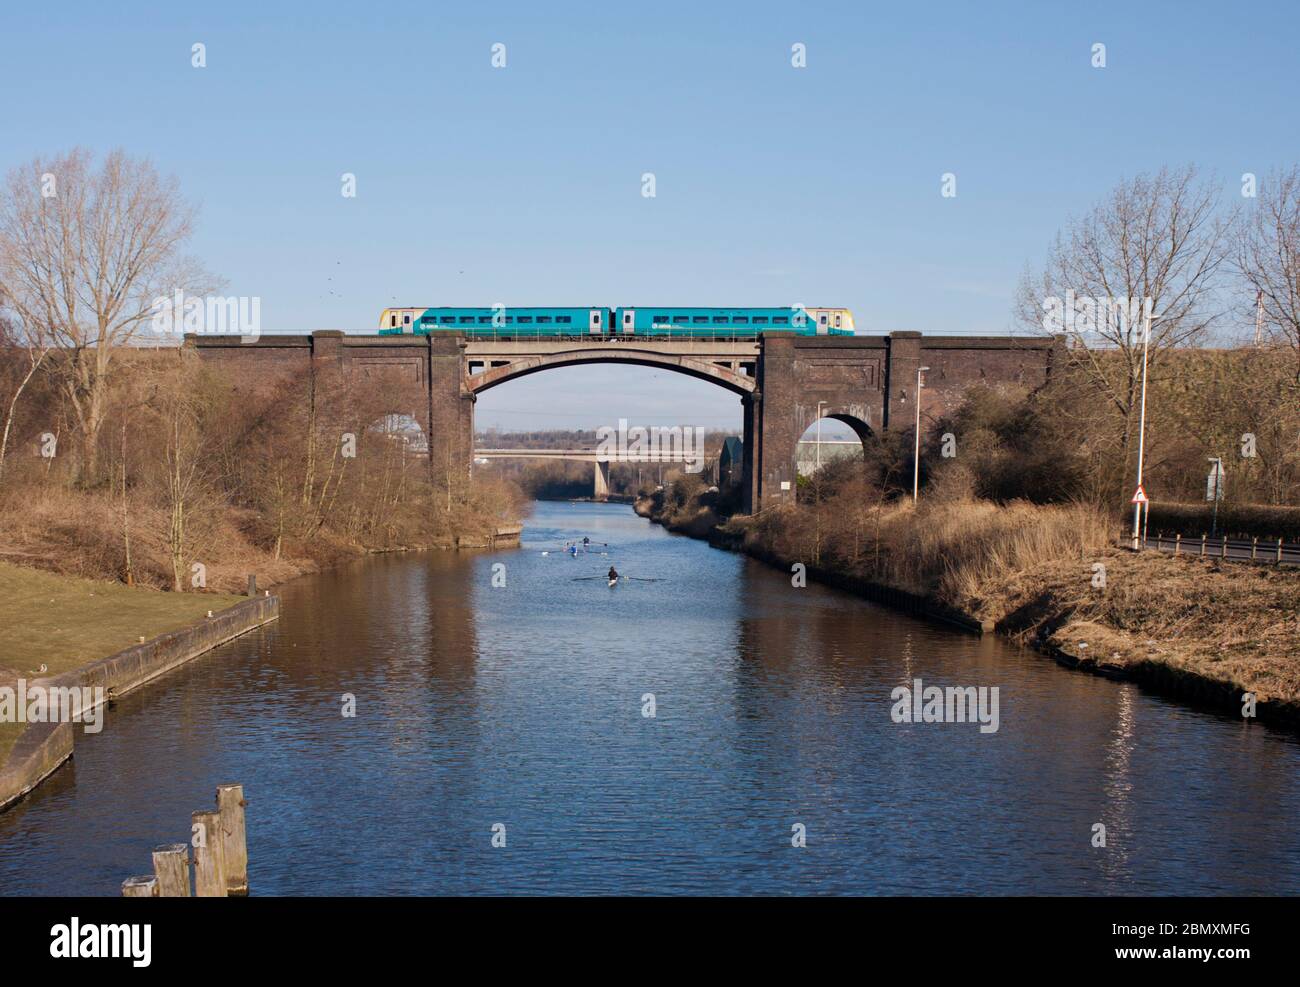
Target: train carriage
<point>497,322</point>
<point>730,323</point>
<point>673,322</point>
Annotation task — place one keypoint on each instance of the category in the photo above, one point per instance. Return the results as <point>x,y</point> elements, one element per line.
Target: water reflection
<point>522,705</point>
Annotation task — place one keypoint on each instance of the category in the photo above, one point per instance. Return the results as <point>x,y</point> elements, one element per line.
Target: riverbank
<point>1200,629</point>
<point>55,631</point>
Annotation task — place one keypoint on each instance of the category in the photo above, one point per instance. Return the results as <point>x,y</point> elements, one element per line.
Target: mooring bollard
<point>144,886</point>
<point>1223,552</point>
<point>1203,537</point>
<point>1279,551</point>
<point>209,858</point>
<point>1254,546</point>
<point>171,866</point>
<point>1178,543</point>
<point>252,585</point>
<point>230,806</point>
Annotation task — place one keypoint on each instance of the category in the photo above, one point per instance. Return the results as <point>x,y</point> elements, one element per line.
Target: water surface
<point>522,706</point>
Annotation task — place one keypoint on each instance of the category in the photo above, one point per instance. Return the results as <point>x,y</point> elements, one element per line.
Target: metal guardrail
<point>1277,552</point>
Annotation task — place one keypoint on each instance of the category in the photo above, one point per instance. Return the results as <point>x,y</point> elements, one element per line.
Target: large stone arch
<point>691,366</point>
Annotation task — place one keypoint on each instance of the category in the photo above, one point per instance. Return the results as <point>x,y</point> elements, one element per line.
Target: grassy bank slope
<point>64,622</point>
<point>1032,570</point>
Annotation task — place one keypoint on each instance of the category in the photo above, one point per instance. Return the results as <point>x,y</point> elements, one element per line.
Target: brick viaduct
<point>785,381</point>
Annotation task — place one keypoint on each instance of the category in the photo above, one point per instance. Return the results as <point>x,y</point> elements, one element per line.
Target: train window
<point>683,319</point>
<point>510,318</point>
<point>466,320</point>
<point>392,322</point>
<point>719,320</point>
<point>543,318</point>
<point>823,318</point>
<point>427,320</point>
<point>837,322</point>
<point>661,318</point>
<point>485,320</point>
<point>700,319</point>
<point>780,320</point>
<point>525,318</point>
<point>564,320</point>
<point>760,320</point>
<point>741,320</point>
<point>406,319</point>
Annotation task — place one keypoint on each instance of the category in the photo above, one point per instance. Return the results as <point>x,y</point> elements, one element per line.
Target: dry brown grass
<point>1229,622</point>
<point>79,533</point>
<point>1029,569</point>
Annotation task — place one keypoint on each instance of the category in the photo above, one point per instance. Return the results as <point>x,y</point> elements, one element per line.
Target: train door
<point>629,321</point>
<point>596,322</point>
<point>823,326</point>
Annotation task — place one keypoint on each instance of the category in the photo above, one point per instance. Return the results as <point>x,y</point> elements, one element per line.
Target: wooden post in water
<point>209,856</point>
<point>230,806</point>
<point>144,886</point>
<point>171,865</point>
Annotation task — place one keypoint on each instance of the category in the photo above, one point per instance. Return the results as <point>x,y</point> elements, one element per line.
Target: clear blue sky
<point>775,185</point>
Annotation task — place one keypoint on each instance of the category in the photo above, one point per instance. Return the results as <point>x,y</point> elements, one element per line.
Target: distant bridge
<point>600,460</point>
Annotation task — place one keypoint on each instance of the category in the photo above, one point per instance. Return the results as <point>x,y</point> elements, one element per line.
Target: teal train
<point>502,322</point>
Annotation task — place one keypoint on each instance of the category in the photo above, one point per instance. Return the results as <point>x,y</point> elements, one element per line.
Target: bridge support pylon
<point>601,485</point>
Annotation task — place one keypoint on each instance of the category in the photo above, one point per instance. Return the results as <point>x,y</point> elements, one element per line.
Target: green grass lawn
<point>65,622</point>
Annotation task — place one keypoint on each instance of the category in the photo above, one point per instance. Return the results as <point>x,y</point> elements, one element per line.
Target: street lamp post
<point>819,433</point>
<point>1142,427</point>
<point>916,453</point>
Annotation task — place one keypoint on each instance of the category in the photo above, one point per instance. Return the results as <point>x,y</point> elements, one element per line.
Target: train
<point>672,321</point>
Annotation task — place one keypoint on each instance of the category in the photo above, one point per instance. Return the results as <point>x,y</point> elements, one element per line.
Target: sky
<point>774,185</point>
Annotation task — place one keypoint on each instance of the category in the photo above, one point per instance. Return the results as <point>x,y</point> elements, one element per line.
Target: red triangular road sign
<point>1139,496</point>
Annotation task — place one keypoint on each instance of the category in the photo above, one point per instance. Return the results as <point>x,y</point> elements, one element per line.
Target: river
<point>522,707</point>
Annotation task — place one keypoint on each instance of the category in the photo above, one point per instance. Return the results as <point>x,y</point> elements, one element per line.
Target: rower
<point>613,574</point>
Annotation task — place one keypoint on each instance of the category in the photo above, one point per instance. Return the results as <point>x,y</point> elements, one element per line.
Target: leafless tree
<point>1268,258</point>
<point>21,359</point>
<point>1158,237</point>
<point>85,251</point>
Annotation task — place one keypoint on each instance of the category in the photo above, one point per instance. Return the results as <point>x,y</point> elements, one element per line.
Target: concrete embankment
<point>43,747</point>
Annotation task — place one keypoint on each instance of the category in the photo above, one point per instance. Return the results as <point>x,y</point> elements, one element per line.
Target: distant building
<point>731,461</point>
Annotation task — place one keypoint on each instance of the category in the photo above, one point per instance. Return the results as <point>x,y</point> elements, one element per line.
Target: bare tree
<point>84,253</point>
<point>1268,257</point>
<point>1156,240</point>
<point>17,375</point>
